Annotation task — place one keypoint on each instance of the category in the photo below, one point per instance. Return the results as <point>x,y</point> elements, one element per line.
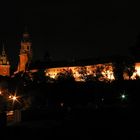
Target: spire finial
<point>25,33</point>
<point>3,49</point>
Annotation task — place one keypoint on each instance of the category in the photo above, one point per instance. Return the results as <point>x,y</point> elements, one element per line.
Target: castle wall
<point>5,70</point>
<point>106,70</point>
<point>23,62</point>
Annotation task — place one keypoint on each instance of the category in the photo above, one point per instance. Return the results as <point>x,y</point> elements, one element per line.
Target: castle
<point>25,57</point>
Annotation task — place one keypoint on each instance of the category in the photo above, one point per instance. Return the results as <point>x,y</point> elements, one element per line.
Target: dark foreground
<point>99,124</point>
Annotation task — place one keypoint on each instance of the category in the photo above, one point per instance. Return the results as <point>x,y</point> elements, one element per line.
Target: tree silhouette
<point>39,76</point>
<point>129,68</point>
<point>83,73</point>
<point>98,72</point>
<point>65,77</point>
<point>119,66</point>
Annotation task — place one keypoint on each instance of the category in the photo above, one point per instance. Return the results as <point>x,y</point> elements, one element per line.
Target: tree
<point>90,78</point>
<point>98,72</point>
<point>39,76</point>
<point>65,76</point>
<point>130,69</point>
<point>83,73</point>
<point>118,70</point>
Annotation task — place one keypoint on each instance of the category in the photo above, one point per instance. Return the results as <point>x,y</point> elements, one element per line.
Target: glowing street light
<point>62,104</point>
<point>14,98</point>
<point>123,96</point>
<point>10,97</point>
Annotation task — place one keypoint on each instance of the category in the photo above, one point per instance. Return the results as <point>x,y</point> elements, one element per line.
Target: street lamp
<point>123,96</point>
<point>13,98</point>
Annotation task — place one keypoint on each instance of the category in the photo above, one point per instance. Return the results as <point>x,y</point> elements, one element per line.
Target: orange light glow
<point>137,72</point>
<point>107,71</point>
<point>14,98</point>
<point>10,97</point>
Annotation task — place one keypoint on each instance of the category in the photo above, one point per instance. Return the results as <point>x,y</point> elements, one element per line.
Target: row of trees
<point>100,73</point>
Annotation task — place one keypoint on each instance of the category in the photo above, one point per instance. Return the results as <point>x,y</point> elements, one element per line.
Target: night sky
<point>69,31</point>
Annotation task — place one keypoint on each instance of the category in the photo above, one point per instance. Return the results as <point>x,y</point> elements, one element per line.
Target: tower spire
<point>26,36</point>
<point>25,52</point>
<point>3,50</point>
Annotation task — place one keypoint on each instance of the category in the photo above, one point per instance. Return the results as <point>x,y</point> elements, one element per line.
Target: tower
<point>25,55</point>
<point>4,64</point>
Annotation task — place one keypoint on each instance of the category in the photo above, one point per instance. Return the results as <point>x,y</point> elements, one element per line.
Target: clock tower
<point>25,55</point>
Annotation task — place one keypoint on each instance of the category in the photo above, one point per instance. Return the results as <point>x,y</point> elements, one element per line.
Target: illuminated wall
<point>5,70</point>
<point>106,71</point>
<point>135,75</point>
<point>137,71</point>
<point>22,62</point>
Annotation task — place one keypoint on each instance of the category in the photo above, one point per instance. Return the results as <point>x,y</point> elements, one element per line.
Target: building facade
<point>4,64</point>
<point>25,55</point>
<point>78,72</point>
